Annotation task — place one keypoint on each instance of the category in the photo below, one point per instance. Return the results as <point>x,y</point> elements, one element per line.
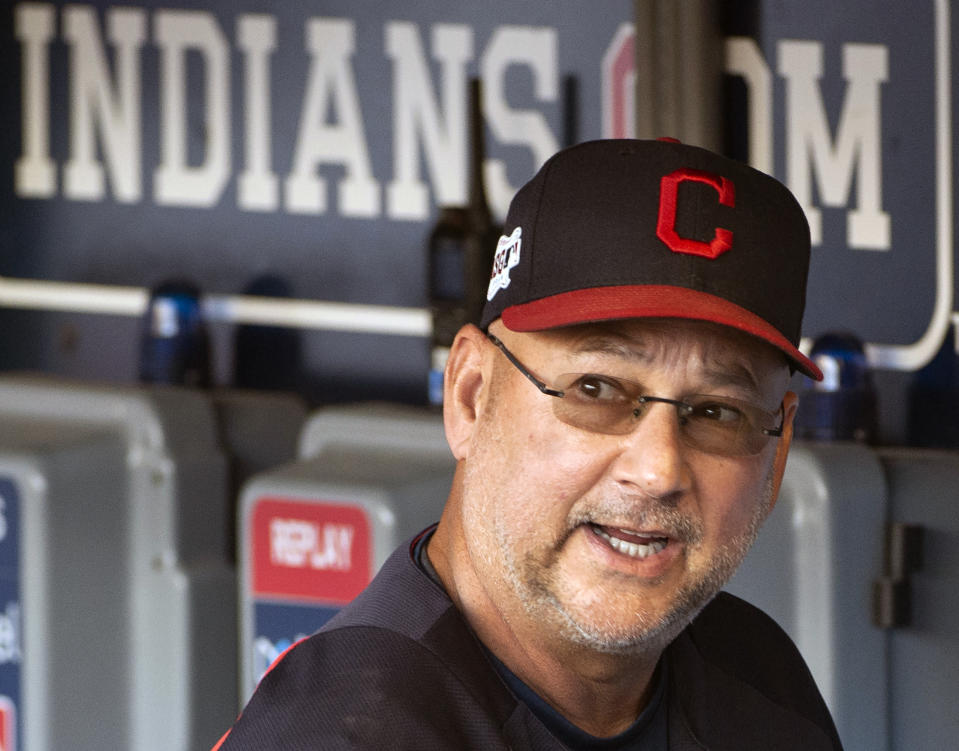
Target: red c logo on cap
<point>666,225</point>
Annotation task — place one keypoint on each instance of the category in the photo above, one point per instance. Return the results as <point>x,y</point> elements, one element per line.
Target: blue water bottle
<point>843,406</point>
<point>174,343</point>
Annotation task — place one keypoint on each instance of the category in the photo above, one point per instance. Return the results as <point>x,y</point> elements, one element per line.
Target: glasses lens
<point>716,425</point>
<point>599,403</point>
<point>726,426</point>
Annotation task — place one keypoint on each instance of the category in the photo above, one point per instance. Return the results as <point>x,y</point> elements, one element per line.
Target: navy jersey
<point>399,668</point>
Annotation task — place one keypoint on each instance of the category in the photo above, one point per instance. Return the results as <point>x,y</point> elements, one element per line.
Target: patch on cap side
<point>505,260</point>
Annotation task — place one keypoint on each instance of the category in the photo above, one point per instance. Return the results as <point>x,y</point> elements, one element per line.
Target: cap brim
<point>649,301</point>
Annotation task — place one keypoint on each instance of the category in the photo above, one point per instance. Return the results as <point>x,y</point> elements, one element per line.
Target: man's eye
<point>599,387</point>
<point>718,412</point>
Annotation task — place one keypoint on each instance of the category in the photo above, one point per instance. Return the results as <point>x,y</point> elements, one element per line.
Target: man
<point>620,424</point>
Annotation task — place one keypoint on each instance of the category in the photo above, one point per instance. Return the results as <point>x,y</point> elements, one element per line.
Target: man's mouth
<point>631,543</point>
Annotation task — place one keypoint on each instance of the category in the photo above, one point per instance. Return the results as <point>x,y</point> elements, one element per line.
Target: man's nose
<point>653,459</point>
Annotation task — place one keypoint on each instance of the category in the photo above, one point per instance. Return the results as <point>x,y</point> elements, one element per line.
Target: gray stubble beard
<point>537,593</point>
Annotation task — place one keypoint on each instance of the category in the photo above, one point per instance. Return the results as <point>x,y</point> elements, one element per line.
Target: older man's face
<point>615,542</point>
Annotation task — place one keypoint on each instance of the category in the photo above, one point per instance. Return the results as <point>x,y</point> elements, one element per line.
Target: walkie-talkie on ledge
<point>461,249</point>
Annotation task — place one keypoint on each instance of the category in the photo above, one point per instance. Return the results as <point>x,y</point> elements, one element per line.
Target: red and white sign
<point>309,551</point>
<point>8,725</point>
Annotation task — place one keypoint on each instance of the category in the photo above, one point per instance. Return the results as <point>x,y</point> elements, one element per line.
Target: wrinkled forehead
<point>714,349</point>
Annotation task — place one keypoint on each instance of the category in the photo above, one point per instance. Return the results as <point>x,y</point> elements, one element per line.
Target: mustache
<point>645,514</point>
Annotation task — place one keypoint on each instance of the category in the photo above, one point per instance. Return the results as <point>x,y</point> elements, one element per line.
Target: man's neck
<point>600,693</point>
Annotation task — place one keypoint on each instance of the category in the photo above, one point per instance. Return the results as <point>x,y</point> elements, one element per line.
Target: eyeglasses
<point>613,406</point>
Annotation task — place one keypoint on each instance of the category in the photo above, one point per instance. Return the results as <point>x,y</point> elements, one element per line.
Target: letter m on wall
<point>856,148</point>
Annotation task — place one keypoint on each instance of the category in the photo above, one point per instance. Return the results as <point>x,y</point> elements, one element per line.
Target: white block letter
<point>94,101</point>
<point>535,48</point>
<point>175,182</point>
<point>35,173</point>
<point>331,43</point>
<point>257,184</point>
<point>416,117</point>
<point>619,84</point>
<point>743,58</point>
<point>857,142</point>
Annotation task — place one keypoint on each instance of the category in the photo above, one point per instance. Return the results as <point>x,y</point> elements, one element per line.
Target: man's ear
<point>790,405</point>
<point>463,382</point>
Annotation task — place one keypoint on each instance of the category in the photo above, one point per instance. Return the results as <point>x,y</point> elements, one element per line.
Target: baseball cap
<point>625,228</point>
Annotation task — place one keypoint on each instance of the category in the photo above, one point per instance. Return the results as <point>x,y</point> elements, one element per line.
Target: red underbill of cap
<point>648,301</point>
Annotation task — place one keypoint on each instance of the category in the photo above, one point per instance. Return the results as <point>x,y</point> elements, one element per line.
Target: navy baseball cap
<point>619,229</point>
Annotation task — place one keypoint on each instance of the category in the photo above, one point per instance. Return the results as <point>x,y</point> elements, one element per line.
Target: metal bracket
<point>891,592</point>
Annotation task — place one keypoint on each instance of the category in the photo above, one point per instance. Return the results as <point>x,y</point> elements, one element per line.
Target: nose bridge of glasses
<point>682,408</point>
<point>697,434</point>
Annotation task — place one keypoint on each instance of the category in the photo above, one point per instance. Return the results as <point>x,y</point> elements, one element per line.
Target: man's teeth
<point>632,549</point>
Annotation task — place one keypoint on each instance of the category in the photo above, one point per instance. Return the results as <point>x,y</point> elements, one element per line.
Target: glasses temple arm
<point>777,432</point>
<point>522,368</point>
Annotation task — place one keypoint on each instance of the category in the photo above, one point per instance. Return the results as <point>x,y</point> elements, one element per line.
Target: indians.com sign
<point>429,149</point>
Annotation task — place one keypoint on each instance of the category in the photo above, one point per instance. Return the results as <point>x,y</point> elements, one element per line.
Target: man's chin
<point>651,633</point>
